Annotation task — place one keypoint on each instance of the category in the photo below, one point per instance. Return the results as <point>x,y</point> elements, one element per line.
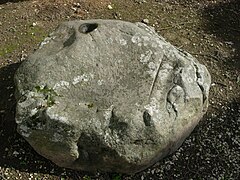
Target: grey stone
<point>145,21</point>
<point>108,95</point>
<point>140,1</point>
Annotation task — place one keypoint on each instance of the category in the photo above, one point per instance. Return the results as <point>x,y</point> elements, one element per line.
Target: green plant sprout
<point>48,93</point>
<point>86,177</point>
<point>117,177</point>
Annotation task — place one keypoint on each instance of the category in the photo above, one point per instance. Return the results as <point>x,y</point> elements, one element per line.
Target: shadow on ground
<point>223,20</point>
<point>14,150</point>
<point>10,1</point>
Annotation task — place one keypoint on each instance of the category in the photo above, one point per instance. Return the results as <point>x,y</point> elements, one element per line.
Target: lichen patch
<point>82,78</point>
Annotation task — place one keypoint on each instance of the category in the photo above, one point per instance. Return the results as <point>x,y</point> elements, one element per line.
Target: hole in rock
<point>87,27</point>
<point>147,118</point>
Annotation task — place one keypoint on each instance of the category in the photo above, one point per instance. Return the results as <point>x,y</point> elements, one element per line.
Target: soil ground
<point>208,29</point>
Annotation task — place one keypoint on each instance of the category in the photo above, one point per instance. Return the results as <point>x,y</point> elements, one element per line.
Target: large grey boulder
<point>108,95</point>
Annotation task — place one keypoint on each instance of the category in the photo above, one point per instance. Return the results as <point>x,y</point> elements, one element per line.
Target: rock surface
<point>108,95</point>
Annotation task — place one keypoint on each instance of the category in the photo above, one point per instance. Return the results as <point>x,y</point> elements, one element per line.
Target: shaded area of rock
<point>109,95</point>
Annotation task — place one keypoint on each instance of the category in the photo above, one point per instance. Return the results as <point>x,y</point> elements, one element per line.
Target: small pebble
<point>145,21</point>
<point>15,153</point>
<point>110,7</point>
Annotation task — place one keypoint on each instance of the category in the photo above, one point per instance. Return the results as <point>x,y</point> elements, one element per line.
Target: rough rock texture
<point>108,95</point>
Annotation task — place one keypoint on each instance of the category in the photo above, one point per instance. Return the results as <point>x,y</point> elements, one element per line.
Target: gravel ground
<point>208,29</point>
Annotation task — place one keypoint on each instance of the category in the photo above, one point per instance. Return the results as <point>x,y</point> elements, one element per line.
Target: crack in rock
<point>147,119</point>
<point>171,101</point>
<point>200,83</point>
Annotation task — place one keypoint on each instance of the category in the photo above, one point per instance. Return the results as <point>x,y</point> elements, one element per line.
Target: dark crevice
<point>117,125</point>
<point>10,1</point>
<point>172,104</point>
<point>87,27</point>
<point>200,85</point>
<point>70,40</point>
<point>38,120</point>
<point>147,118</point>
<point>93,39</point>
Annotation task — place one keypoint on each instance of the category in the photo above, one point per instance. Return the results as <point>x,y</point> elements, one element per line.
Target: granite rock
<point>109,95</point>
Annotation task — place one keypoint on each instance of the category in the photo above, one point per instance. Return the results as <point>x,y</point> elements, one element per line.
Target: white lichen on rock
<point>144,58</point>
<point>100,82</point>
<point>61,84</point>
<point>46,41</point>
<point>152,69</point>
<point>123,42</point>
<point>136,39</point>
<point>55,116</point>
<point>24,130</point>
<point>82,78</point>
<point>33,112</point>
